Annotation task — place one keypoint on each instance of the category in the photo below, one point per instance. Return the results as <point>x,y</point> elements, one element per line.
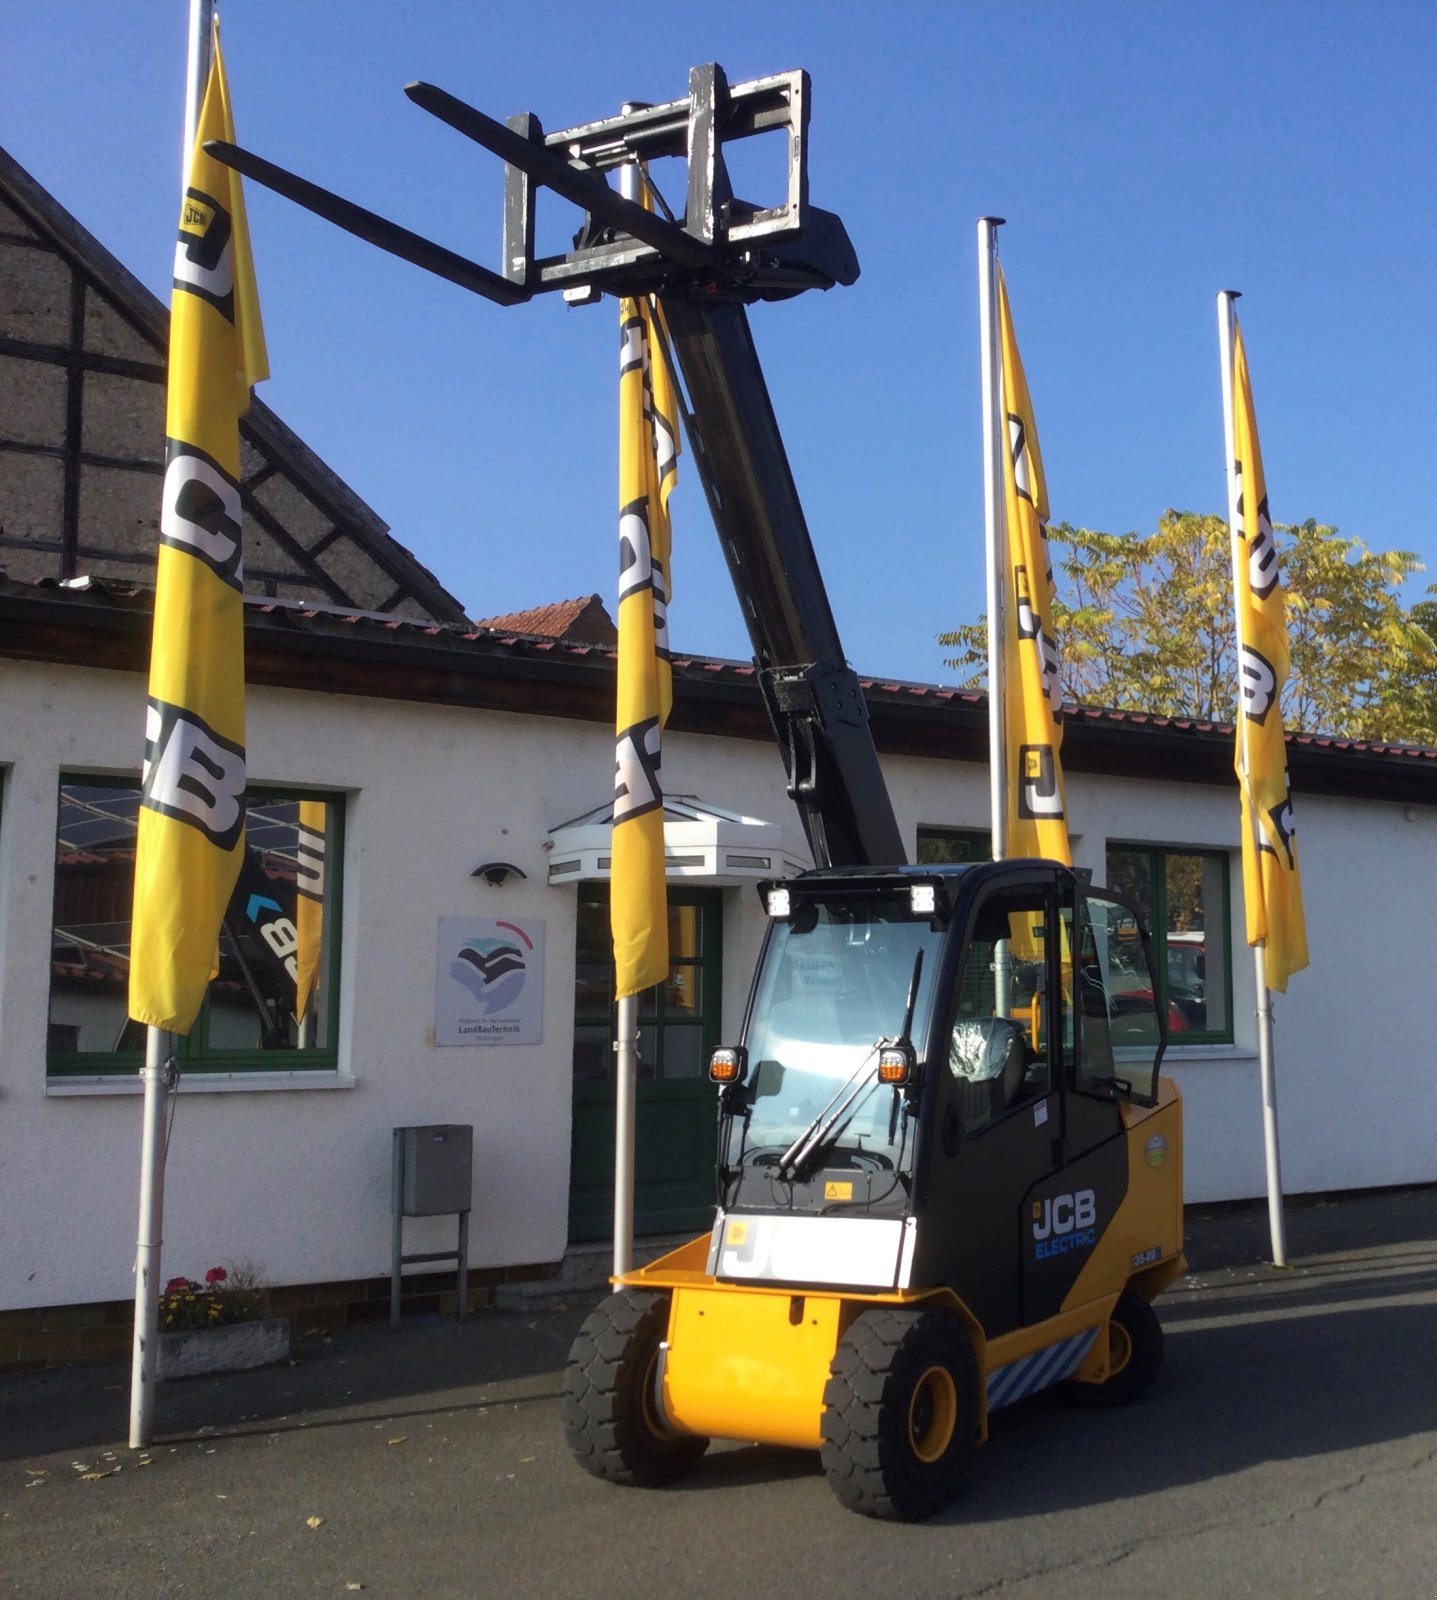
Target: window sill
<point>1206,1052</point>
<point>201,1083</point>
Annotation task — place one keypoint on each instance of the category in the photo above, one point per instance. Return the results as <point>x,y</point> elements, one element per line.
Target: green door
<point>675,1110</point>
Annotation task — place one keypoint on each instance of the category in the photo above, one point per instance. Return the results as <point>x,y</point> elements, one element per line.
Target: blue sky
<point>1145,156</point>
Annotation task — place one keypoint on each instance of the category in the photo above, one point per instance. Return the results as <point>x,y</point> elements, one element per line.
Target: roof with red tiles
<point>498,665</point>
<point>581,621</point>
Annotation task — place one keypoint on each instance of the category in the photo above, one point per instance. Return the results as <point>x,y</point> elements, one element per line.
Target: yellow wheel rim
<point>1120,1347</point>
<point>653,1418</point>
<point>932,1414</point>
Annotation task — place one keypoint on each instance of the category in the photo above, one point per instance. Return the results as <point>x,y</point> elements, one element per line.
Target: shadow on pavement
<point>421,1367</point>
<point>1229,1399</point>
<point>1261,1365</point>
<point>1237,1234</point>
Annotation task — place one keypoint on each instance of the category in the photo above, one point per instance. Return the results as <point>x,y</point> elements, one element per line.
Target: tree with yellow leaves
<point>1144,623</point>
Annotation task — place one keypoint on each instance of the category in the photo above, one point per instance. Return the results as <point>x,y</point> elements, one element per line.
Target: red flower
<point>216,1275</point>
<point>175,1285</point>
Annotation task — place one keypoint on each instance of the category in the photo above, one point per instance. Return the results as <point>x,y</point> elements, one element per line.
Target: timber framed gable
<point>82,430</point>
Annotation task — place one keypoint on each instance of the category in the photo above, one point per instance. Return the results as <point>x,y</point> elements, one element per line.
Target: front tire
<point>610,1404</point>
<point>900,1413</point>
<point>1135,1355</point>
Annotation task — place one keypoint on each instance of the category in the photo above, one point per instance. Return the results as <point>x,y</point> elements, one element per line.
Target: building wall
<point>293,1176</point>
<point>296,1177</point>
<point>1353,1050</point>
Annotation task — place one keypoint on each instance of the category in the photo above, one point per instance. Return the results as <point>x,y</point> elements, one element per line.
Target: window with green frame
<point>1184,898</point>
<point>939,846</point>
<point>272,1006</point>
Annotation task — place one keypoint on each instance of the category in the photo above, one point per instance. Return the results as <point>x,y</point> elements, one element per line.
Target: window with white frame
<point>1183,895</point>
<point>273,1004</point>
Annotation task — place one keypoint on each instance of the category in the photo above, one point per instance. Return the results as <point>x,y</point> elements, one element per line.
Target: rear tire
<point>900,1413</point>
<point>610,1407</point>
<point>1135,1355</point>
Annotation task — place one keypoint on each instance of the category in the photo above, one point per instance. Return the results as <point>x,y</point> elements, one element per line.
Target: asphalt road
<point>1287,1451</point>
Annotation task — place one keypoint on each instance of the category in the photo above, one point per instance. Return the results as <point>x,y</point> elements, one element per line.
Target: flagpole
<point>1266,1069</point>
<point>995,562</point>
<point>202,13</point>
<point>626,1042</point>
<point>993,542</point>
<point>1268,1075</point>
<point>626,1052</point>
<point>154,1075</point>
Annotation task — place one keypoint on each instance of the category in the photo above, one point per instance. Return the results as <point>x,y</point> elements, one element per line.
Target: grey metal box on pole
<point>433,1175</point>
<point>438,1168</point>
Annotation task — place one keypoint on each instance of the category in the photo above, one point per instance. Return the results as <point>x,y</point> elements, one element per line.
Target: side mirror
<point>768,1079</point>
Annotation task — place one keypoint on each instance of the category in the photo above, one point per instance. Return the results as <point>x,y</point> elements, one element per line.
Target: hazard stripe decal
<point>1049,1365</point>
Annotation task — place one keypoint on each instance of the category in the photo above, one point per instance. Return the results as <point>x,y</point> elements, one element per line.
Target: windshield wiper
<point>819,1132</point>
<point>841,1109</point>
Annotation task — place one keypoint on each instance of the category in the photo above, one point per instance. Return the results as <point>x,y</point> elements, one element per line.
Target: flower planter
<point>228,1349</point>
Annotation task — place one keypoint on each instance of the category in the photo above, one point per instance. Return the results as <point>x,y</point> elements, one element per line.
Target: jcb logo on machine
<point>1065,1222</point>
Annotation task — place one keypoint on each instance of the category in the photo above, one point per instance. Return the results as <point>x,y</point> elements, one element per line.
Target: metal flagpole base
<point>626,1047</point>
<point>1276,1224</point>
<point>147,1254</point>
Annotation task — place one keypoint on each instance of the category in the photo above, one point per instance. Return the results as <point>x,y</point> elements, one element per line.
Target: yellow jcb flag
<point>1033,704</point>
<point>310,853</point>
<point>1272,888</point>
<point>648,467</point>
<point>191,823</point>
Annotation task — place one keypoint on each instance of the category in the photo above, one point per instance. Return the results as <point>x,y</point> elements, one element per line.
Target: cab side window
<point>998,1048</point>
<point>1119,1032</point>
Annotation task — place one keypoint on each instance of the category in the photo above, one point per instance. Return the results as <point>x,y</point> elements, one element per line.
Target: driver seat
<point>989,1057</point>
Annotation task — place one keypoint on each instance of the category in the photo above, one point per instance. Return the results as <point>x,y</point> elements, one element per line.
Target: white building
<point>425,748</point>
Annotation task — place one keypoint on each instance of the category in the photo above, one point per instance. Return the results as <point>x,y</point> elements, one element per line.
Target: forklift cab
<point>1052,1031</point>
<point>1026,1000</point>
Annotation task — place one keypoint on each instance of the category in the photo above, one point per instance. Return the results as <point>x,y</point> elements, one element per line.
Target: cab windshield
<point>834,982</point>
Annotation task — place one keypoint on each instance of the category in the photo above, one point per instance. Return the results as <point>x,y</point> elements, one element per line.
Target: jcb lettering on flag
<point>282,937</point>
<point>309,863</point>
<point>632,345</point>
<point>636,771</point>
<point>1029,628</point>
<point>636,562</point>
<point>639,571</point>
<point>1022,469</point>
<point>1026,620</point>
<point>200,511</point>
<point>1038,792</point>
<point>1283,825</point>
<point>666,450</point>
<point>661,614</point>
<point>1048,652</point>
<point>204,261</point>
<point>193,775</point>
<point>1258,683</point>
<point>1262,568</point>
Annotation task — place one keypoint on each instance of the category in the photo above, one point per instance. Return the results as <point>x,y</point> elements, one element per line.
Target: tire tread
<point>603,1402</point>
